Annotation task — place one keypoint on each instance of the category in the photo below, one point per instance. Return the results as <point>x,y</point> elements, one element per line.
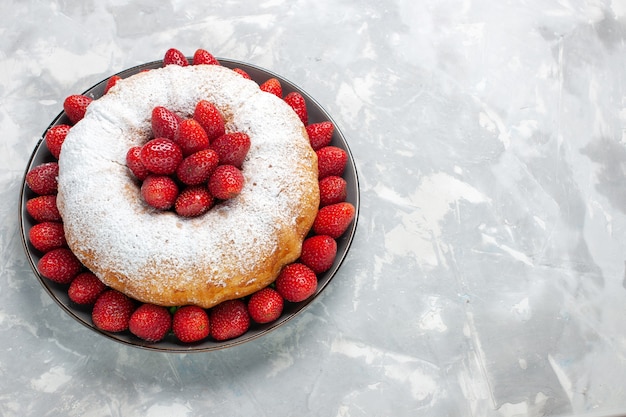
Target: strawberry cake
<point>158,256</point>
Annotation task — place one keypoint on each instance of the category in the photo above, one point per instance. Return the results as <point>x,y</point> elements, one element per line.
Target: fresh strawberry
<point>190,324</point>
<point>296,282</point>
<point>272,86</point>
<point>210,119</point>
<point>161,156</point>
<point>242,73</point>
<point>46,236</point>
<point>320,134</point>
<point>232,148</point>
<point>334,220</point>
<point>204,57</point>
<point>197,167</point>
<point>226,182</point>
<point>159,191</point>
<point>331,160</point>
<point>191,137</point>
<point>265,305</point>
<point>134,164</point>
<point>75,107</point>
<point>111,82</point>
<point>43,208</point>
<point>150,322</point>
<point>85,288</point>
<point>59,265</point>
<point>297,103</point>
<point>319,252</point>
<point>193,201</point>
<point>164,123</point>
<point>332,190</point>
<point>229,319</point>
<point>112,310</point>
<point>55,136</point>
<point>42,179</point>
<point>175,57</point>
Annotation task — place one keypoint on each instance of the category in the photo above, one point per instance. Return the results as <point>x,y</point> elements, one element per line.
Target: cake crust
<point>236,248</point>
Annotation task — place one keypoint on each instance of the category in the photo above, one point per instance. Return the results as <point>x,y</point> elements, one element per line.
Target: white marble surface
<point>487,273</point>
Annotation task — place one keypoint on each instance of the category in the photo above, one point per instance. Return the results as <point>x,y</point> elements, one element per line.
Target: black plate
<point>170,344</point>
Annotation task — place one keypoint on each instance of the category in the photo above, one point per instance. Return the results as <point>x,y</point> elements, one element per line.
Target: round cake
<point>237,247</point>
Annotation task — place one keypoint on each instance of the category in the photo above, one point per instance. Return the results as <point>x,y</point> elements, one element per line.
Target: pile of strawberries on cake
<point>188,166</point>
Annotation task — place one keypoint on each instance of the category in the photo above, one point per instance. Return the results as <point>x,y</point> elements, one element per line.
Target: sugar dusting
<point>101,204</point>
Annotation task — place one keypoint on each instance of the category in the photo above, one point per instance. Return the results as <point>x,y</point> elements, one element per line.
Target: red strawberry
<point>226,182</point>
<point>133,161</point>
<point>202,56</point>
<point>164,123</point>
<point>190,324</point>
<point>232,148</point>
<point>46,236</point>
<point>42,179</point>
<point>265,305</point>
<point>334,220</point>
<point>210,119</point>
<point>75,107</point>
<point>59,265</point>
<point>193,201</point>
<point>332,190</point>
<point>297,103</point>
<point>43,208</point>
<point>85,288</point>
<point>331,160</point>
<point>242,73</point>
<point>111,82</point>
<point>319,252</point>
<point>320,134</point>
<point>150,322</point>
<point>159,191</point>
<point>296,282</point>
<point>112,310</point>
<point>191,137</point>
<point>229,319</point>
<point>161,156</point>
<point>175,57</point>
<point>272,86</point>
<point>54,138</point>
<point>197,167</point>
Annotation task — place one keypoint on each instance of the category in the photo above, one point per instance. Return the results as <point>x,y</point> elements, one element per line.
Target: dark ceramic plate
<point>170,344</point>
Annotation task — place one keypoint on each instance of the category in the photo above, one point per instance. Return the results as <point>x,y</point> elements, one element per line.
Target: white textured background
<point>487,273</point>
